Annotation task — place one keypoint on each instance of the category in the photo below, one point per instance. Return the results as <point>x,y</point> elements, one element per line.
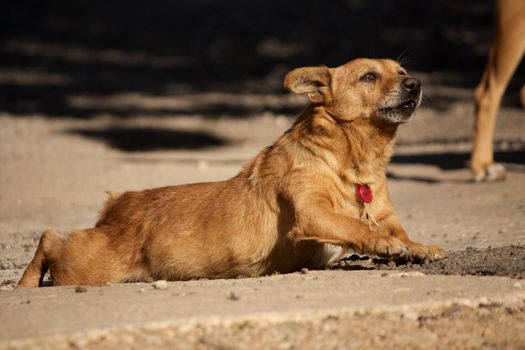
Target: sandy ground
<point>99,96</point>
<point>319,309</point>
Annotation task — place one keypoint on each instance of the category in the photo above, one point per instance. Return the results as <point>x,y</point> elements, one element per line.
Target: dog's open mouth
<point>407,107</point>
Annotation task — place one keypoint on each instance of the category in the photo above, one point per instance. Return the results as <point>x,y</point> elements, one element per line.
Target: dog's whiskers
<point>425,100</point>
<point>403,57</point>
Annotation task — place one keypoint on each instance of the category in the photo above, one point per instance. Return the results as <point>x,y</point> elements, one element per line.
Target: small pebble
<point>384,274</point>
<point>202,165</point>
<point>516,285</point>
<point>80,289</point>
<point>234,296</point>
<point>409,314</point>
<point>6,265</point>
<point>160,284</point>
<point>78,343</point>
<point>304,271</point>
<point>9,281</point>
<point>142,290</point>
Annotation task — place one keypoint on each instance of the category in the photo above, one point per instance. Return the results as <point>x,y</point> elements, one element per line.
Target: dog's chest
<point>345,197</point>
<point>363,173</point>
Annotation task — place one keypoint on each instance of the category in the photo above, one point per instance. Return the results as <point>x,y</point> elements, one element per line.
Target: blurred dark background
<point>52,49</point>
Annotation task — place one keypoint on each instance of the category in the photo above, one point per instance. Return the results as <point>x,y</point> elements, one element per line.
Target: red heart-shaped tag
<point>364,193</point>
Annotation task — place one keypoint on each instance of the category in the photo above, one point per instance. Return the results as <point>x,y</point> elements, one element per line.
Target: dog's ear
<point>313,81</point>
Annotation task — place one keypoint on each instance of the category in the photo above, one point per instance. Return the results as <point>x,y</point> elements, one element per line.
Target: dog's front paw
<point>384,247</point>
<point>420,252</point>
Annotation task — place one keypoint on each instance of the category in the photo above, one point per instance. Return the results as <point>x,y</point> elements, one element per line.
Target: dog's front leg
<point>316,220</point>
<point>416,251</point>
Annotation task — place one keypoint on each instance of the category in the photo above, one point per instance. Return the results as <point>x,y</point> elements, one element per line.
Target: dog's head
<point>362,88</point>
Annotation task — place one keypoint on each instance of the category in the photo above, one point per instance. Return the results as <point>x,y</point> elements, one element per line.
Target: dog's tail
<point>37,268</point>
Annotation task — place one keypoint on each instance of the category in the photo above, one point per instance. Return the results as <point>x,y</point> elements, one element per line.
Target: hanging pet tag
<point>364,194</point>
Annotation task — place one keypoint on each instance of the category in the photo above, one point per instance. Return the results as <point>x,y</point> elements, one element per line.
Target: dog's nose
<point>411,84</point>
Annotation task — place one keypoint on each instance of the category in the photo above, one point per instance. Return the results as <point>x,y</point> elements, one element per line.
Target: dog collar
<point>364,193</point>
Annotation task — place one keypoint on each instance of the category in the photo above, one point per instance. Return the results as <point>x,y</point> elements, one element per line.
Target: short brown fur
<point>292,206</point>
<point>504,57</point>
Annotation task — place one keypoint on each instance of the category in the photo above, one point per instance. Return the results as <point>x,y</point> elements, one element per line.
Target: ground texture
<point>55,172</point>
<point>109,96</point>
<point>502,261</point>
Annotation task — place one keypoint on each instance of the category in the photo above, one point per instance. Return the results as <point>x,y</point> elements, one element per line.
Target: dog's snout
<point>411,85</point>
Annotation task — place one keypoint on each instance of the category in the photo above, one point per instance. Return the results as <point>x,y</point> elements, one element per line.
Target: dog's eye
<point>402,73</point>
<point>369,77</point>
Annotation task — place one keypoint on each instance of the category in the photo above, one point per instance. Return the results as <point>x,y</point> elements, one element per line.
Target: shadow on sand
<point>136,139</point>
<point>52,50</point>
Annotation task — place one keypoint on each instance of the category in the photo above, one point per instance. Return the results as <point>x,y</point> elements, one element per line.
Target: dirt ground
<point>502,261</point>
<point>317,309</point>
<point>97,97</point>
<point>495,328</point>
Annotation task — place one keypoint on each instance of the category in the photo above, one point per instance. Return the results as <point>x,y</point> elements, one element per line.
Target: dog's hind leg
<point>37,268</point>
<point>84,257</point>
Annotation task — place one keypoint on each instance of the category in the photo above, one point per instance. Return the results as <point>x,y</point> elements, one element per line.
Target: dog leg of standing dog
<point>504,57</point>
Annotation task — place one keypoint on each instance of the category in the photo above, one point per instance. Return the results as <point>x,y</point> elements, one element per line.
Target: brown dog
<point>505,55</point>
<point>316,194</point>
